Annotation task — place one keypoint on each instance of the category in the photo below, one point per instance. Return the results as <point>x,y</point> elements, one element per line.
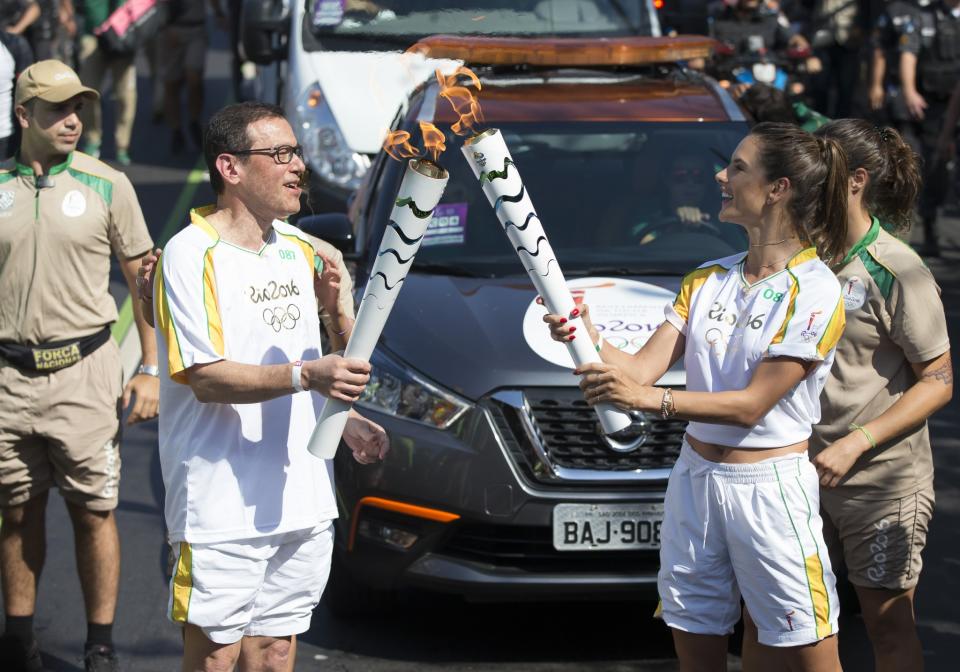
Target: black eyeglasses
<point>282,154</point>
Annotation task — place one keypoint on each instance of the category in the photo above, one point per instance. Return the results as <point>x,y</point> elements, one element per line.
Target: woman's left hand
<point>604,383</point>
<point>326,283</point>
<point>833,463</point>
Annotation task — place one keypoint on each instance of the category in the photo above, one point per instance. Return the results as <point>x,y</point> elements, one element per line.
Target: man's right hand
<point>337,377</point>
<point>915,103</point>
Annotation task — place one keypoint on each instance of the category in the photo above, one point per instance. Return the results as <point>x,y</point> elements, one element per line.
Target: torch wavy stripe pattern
<point>526,223</point>
<point>386,283</point>
<point>408,202</point>
<point>543,275</point>
<point>491,175</point>
<point>521,248</point>
<point>404,237</point>
<point>516,198</point>
<point>400,259</point>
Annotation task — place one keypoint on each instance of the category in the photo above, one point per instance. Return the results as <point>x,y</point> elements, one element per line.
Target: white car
<point>339,70</point>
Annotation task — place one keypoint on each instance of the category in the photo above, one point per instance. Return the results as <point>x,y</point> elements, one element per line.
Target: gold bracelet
<point>667,409</point>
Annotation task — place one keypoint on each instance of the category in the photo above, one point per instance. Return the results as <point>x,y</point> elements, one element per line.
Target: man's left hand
<point>146,393</point>
<point>366,439</point>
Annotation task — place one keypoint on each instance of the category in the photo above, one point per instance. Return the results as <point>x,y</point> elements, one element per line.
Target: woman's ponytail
<point>892,166</point>
<point>818,175</point>
<point>829,230</point>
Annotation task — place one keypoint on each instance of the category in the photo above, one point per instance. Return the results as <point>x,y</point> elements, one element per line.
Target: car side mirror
<point>263,26</point>
<point>335,228</point>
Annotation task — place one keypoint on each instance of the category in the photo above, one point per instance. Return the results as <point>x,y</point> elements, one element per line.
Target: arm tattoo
<point>944,374</point>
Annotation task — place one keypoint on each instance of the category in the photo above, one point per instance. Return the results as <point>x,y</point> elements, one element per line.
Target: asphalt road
<point>430,632</point>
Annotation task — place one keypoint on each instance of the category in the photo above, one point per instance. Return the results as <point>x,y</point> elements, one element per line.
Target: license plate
<point>607,527</point>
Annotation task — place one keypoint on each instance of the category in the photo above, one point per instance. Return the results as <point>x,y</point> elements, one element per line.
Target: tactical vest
<point>939,62</point>
<point>729,30</point>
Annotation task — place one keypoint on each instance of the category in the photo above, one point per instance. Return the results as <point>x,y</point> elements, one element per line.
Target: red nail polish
<point>572,337</point>
<point>572,329</point>
<point>575,312</point>
<point>563,320</point>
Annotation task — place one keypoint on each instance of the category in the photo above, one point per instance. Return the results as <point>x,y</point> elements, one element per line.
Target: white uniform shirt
<point>238,471</point>
<point>731,326</point>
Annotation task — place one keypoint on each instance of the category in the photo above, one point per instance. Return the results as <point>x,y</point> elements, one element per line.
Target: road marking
<point>123,333</point>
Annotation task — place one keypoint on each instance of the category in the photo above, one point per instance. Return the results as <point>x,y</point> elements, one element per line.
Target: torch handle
<point>558,300</point>
<point>325,438</point>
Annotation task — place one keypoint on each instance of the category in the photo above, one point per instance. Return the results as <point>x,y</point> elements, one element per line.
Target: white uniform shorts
<point>750,529</point>
<point>267,586</point>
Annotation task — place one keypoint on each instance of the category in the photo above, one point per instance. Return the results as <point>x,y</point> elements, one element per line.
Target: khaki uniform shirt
<point>55,245</point>
<point>894,319</point>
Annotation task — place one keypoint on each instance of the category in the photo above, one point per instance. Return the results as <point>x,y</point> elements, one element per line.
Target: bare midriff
<point>717,453</point>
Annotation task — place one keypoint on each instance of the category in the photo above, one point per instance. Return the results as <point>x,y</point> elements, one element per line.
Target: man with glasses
<point>248,509</point>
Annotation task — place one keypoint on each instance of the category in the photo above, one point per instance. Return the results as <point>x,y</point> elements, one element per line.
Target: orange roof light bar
<point>565,51</point>
<point>399,507</point>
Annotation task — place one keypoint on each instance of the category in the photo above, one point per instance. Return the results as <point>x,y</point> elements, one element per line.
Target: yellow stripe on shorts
<point>182,584</point>
<point>818,590</point>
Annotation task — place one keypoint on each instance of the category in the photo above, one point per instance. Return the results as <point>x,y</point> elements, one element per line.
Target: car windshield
<point>617,199</point>
<point>391,24</point>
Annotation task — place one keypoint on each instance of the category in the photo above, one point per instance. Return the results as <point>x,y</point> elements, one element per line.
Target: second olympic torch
<point>420,191</point>
<point>492,164</point>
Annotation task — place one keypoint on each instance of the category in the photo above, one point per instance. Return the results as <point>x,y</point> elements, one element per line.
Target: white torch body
<point>500,180</point>
<point>420,191</point>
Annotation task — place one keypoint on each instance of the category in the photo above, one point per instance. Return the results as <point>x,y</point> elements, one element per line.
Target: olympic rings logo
<point>281,318</point>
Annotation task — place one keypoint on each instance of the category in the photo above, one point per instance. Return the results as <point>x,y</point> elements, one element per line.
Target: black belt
<point>54,355</point>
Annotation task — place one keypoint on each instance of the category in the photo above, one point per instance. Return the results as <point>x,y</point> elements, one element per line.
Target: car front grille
<point>554,436</point>
<point>531,549</point>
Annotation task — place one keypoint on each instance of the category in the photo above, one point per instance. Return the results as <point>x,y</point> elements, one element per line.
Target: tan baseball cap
<point>51,81</point>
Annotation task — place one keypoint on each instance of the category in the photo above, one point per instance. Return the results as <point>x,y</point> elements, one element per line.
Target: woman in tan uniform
<point>892,372</point>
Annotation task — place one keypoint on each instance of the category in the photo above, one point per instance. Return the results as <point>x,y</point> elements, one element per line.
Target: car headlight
<point>395,389</point>
<point>324,146</point>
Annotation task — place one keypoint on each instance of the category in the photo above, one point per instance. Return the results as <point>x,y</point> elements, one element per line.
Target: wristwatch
<point>149,370</point>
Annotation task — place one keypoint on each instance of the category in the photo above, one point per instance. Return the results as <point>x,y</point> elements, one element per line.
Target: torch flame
<point>398,146</point>
<point>433,139</point>
<point>463,99</point>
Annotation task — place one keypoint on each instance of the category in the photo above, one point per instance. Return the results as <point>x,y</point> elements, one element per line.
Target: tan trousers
<point>94,65</point>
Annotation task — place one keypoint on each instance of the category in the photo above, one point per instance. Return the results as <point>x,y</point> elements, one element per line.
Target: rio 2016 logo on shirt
<point>273,290</point>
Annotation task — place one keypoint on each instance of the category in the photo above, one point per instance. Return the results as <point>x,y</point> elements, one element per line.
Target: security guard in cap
<point>929,70</point>
<point>62,215</point>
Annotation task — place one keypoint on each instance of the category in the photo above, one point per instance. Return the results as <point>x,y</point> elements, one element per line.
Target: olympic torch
<point>500,180</point>
<point>420,191</point>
